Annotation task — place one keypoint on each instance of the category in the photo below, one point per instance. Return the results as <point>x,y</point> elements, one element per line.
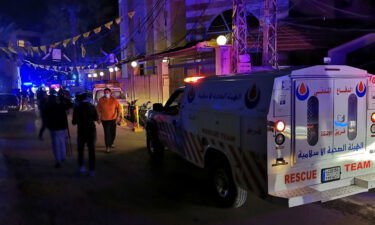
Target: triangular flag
<point>108,25</point>
<point>71,68</point>
<point>66,42</point>
<point>77,68</point>
<point>130,14</point>
<point>95,66</point>
<point>83,51</point>
<point>56,44</point>
<point>89,66</point>
<point>55,67</point>
<point>75,39</point>
<point>44,49</point>
<point>97,30</point>
<point>10,48</point>
<point>118,20</point>
<point>30,51</point>
<point>36,50</point>
<point>85,35</point>
<point>47,67</point>
<point>6,51</point>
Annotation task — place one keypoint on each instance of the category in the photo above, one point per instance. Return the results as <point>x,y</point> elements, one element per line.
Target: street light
<point>95,75</point>
<point>89,75</point>
<point>134,64</point>
<point>221,40</point>
<point>111,70</point>
<point>116,68</point>
<point>101,74</point>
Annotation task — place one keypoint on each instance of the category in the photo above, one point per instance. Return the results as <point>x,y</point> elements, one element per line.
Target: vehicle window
<point>173,104</point>
<point>116,94</point>
<point>352,116</point>
<point>312,121</point>
<point>99,94</point>
<point>175,99</point>
<point>8,100</point>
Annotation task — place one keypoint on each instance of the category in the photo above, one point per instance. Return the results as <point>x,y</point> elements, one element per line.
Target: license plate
<point>331,174</point>
<point>3,111</point>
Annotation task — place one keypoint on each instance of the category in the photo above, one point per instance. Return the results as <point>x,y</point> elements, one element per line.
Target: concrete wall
<point>146,88</point>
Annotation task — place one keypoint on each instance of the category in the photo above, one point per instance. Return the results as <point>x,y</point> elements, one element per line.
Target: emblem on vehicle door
<point>252,97</point>
<point>302,92</point>
<point>191,94</point>
<point>360,89</point>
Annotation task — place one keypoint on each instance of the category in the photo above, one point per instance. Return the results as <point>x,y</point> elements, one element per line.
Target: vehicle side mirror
<point>157,107</point>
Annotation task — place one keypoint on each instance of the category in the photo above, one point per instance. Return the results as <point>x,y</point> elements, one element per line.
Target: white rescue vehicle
<point>298,136</point>
<point>116,90</point>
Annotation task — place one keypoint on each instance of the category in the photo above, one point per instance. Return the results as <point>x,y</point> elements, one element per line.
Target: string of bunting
<point>60,69</point>
<point>30,50</point>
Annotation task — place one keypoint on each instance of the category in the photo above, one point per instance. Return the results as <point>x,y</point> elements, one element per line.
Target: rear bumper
<point>316,193</point>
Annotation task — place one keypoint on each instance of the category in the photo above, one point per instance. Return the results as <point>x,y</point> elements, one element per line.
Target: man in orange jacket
<point>109,111</point>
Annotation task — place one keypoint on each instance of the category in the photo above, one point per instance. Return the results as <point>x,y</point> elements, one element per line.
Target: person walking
<point>84,116</point>
<point>57,123</point>
<point>42,100</point>
<point>109,111</point>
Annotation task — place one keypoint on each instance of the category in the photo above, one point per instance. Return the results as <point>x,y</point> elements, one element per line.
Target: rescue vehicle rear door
<point>330,118</point>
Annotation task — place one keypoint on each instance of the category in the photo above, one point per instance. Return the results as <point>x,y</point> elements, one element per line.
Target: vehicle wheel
<point>227,193</point>
<point>154,147</point>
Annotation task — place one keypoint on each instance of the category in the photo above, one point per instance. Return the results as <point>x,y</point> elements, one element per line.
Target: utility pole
<point>241,61</point>
<point>73,23</point>
<point>269,57</point>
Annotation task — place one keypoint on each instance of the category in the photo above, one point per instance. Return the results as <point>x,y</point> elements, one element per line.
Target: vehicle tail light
<point>373,117</point>
<point>192,79</point>
<point>280,126</point>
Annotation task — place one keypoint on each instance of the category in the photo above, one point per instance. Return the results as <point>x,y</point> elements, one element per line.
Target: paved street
<point>130,189</point>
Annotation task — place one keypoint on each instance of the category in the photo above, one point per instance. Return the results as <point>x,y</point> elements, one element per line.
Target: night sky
<point>30,14</point>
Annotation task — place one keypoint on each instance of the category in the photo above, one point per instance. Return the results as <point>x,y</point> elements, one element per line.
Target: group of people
<point>25,98</point>
<point>53,111</point>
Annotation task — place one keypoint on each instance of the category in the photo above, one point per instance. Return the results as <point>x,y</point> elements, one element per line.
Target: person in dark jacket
<point>57,122</point>
<point>42,100</point>
<point>84,116</point>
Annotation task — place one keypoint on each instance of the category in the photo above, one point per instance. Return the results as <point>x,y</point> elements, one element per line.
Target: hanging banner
<point>66,42</point>
<point>75,39</point>
<point>97,30</point>
<point>108,25</point>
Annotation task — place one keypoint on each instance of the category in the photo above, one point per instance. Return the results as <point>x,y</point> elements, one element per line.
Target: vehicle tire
<point>154,147</point>
<point>226,192</point>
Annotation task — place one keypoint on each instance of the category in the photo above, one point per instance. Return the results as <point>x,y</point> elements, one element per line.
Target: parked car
<point>9,104</point>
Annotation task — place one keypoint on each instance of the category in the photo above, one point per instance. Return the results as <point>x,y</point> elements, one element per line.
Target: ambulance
<point>292,136</point>
<point>117,92</point>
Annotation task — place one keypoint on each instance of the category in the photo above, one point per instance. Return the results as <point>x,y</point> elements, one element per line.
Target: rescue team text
<point>300,176</point>
<point>357,166</point>
<point>312,174</point>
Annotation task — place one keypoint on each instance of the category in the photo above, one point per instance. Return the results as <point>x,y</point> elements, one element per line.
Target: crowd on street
<point>54,109</point>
